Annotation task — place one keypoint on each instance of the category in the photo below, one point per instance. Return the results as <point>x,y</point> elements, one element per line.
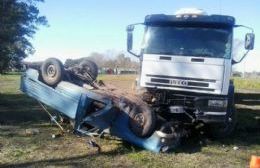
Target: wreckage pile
<point>135,119</point>
<point>84,74</point>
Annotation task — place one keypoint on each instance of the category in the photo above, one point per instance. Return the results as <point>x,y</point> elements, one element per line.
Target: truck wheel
<point>89,67</point>
<point>142,121</point>
<point>171,134</point>
<point>225,129</point>
<point>52,71</point>
<point>220,131</point>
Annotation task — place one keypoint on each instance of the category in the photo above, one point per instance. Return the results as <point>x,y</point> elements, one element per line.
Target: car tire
<point>142,121</point>
<point>90,67</point>
<point>52,71</point>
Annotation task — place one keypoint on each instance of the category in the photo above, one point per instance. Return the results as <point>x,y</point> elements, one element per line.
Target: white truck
<point>186,66</point>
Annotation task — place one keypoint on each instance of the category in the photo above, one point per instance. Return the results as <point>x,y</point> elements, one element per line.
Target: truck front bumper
<point>211,109</point>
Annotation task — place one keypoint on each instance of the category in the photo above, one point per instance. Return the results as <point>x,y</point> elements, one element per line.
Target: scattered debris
<point>225,148</point>
<point>235,148</point>
<point>93,144</point>
<point>32,131</point>
<point>56,135</point>
<point>53,118</point>
<point>101,83</point>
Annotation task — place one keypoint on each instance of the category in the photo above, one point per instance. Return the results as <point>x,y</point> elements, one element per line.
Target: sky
<point>78,28</point>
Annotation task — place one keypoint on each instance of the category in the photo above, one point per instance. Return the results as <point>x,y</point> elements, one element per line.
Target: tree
<point>106,61</point>
<point>98,58</point>
<point>122,61</point>
<point>18,23</point>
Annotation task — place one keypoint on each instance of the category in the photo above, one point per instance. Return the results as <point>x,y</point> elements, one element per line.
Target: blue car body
<point>75,102</point>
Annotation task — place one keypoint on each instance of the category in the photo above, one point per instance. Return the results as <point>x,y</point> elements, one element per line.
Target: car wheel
<point>142,121</point>
<point>89,67</point>
<point>52,71</point>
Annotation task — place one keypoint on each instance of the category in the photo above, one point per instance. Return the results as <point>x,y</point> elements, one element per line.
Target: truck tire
<point>223,130</point>
<point>52,71</point>
<point>142,121</point>
<point>219,131</point>
<point>89,67</point>
<point>171,132</point>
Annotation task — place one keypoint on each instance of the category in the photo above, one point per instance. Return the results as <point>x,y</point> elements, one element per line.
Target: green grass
<point>19,112</point>
<point>248,84</point>
<point>9,84</point>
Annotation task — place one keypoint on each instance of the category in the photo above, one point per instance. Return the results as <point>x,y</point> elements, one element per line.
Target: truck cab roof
<point>191,20</point>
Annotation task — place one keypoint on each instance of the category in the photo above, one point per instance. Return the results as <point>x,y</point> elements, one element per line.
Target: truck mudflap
<point>80,105</point>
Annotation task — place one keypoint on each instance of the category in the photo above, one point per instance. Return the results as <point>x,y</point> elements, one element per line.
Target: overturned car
<point>95,108</point>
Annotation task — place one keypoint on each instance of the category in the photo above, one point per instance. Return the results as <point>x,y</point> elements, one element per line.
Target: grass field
<point>247,84</point>
<point>19,112</point>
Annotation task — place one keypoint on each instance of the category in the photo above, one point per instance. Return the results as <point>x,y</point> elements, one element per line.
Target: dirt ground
<point>18,149</point>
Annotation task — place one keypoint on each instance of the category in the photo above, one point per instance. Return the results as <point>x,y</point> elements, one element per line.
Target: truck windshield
<point>188,41</point>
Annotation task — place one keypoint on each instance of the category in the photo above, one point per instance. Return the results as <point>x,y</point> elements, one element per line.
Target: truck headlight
<point>218,103</point>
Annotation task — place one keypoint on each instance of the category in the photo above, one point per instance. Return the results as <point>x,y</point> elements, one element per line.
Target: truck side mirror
<point>133,42</point>
<point>130,30</point>
<point>249,41</point>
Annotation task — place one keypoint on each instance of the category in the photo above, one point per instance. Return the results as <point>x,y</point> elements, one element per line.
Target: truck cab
<point>186,65</point>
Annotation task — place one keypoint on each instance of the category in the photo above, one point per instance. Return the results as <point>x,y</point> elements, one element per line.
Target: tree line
<point>104,61</point>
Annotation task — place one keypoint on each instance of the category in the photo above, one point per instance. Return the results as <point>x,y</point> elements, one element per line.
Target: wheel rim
<point>51,71</point>
<point>139,120</point>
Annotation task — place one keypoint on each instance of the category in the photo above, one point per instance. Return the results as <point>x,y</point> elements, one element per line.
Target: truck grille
<point>180,82</point>
<point>183,78</point>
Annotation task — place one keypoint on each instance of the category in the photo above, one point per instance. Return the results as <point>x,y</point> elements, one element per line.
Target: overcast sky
<point>80,27</point>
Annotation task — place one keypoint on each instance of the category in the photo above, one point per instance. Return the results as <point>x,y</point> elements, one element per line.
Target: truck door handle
<point>197,60</point>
